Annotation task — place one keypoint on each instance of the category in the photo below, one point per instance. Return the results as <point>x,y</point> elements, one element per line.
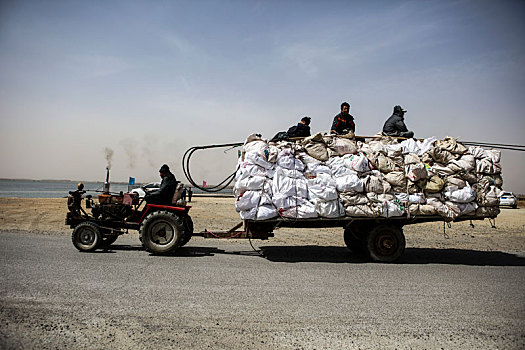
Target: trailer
<point>380,239</point>
<point>165,228</point>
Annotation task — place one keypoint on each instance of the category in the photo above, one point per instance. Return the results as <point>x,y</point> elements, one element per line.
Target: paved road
<point>222,294</point>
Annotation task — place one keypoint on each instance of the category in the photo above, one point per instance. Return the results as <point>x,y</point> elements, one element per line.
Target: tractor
<point>162,228</point>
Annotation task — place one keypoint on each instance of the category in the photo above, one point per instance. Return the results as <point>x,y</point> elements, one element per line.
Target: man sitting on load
<point>395,125</point>
<point>164,194</point>
<point>302,129</point>
<point>343,122</point>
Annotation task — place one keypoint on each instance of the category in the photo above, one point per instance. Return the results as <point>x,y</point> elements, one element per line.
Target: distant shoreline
<point>72,181</point>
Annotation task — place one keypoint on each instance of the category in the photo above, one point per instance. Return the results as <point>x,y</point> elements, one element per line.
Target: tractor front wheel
<point>161,232</point>
<point>86,237</point>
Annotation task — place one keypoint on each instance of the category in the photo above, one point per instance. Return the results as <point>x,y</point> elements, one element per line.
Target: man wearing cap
<point>343,122</point>
<point>168,186</point>
<point>395,125</point>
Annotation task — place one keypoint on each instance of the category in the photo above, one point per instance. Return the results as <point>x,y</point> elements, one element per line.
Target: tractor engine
<point>114,207</point>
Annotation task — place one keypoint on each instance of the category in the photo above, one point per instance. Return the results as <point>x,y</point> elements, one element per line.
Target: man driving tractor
<point>164,194</point>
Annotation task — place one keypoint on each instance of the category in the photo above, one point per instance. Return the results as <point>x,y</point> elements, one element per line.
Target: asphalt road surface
<point>224,295</point>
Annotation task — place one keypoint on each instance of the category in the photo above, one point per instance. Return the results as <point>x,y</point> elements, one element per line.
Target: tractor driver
<point>168,186</point>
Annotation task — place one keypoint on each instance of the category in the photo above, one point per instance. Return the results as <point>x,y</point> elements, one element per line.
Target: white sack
<point>342,146</point>
<point>247,169</point>
<point>330,209</point>
<point>322,187</point>
<point>304,210</point>
<point>250,214</point>
<point>467,208</point>
<point>416,172</point>
<point>357,162</point>
<point>477,152</point>
<point>394,150</point>
<point>349,182</point>
<point>286,186</point>
<point>410,146</point>
<point>392,208</point>
<point>284,202</point>
<point>415,198</point>
<point>255,158</point>
<point>265,212</point>
<point>252,183</point>
<point>252,199</point>
<point>464,195</point>
<point>286,159</point>
<point>259,147</point>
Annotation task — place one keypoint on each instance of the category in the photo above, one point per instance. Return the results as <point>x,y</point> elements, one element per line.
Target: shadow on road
<point>411,256</point>
<point>293,254</point>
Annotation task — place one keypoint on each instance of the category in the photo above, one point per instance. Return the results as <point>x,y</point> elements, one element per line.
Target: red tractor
<point>162,228</point>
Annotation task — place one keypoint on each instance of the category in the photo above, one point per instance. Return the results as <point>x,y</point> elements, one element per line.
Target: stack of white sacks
<point>334,176</point>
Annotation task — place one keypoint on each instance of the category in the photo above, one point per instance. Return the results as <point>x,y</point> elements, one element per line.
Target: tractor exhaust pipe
<point>106,184</point>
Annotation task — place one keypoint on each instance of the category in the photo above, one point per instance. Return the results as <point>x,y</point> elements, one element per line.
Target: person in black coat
<point>395,125</point>
<point>302,129</point>
<point>343,122</point>
<point>164,194</point>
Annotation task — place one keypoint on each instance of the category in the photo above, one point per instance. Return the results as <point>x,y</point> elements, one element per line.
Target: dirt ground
<point>46,216</point>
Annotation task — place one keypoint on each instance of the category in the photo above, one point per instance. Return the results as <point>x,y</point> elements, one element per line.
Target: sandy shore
<point>46,216</point>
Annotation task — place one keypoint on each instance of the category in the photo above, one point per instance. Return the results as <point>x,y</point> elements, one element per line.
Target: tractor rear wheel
<point>161,232</point>
<point>86,237</point>
<point>386,243</point>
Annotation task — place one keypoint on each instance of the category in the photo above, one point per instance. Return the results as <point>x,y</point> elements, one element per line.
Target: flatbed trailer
<point>380,238</point>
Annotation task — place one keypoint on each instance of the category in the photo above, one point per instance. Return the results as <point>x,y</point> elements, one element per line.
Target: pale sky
<point>148,79</point>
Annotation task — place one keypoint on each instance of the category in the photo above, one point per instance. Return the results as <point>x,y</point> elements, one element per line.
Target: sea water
<point>60,189</point>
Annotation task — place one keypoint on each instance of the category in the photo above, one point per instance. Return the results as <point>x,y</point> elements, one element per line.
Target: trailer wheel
<point>161,232</point>
<point>386,243</point>
<point>356,245</point>
<point>86,237</point>
<point>188,230</point>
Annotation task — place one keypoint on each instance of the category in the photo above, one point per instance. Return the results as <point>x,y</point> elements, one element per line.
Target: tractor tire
<point>385,243</point>
<point>161,232</point>
<point>188,230</point>
<point>86,237</point>
<point>108,240</point>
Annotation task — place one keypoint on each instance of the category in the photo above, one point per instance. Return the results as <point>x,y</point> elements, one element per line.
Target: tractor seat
<point>176,200</point>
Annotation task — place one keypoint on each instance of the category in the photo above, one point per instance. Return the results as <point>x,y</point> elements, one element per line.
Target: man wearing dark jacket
<point>302,129</point>
<point>167,188</point>
<point>395,125</point>
<point>343,122</point>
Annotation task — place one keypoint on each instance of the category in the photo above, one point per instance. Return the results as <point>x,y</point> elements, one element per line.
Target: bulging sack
<point>341,146</point>
<point>330,209</point>
<point>357,162</point>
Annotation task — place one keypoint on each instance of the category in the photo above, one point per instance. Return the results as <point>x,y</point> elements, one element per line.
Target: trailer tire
<point>188,230</point>
<point>386,243</point>
<point>161,232</point>
<point>353,243</point>
<point>86,237</point>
